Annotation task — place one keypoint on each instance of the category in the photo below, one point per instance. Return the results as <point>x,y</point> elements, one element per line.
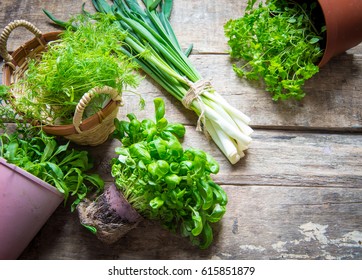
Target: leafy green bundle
<point>163,181</point>
<point>80,60</point>
<point>56,164</point>
<point>276,42</point>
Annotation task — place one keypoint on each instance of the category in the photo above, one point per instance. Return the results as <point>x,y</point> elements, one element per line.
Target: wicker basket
<point>93,130</point>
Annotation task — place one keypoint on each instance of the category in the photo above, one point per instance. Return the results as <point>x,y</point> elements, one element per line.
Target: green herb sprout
<point>163,181</point>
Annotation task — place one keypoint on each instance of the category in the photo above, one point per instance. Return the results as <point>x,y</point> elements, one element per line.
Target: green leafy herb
<point>276,42</point>
<point>57,164</point>
<point>80,60</point>
<point>90,228</point>
<point>163,181</point>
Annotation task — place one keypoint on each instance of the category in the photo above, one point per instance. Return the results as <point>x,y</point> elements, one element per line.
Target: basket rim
<point>88,123</point>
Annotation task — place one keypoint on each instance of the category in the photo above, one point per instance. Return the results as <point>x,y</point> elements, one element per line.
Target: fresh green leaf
<point>159,108</point>
<point>314,40</point>
<point>92,229</point>
<point>198,225</point>
<point>156,203</point>
<point>152,4</point>
<point>167,7</point>
<point>217,213</point>
<point>207,236</point>
<point>172,180</point>
<point>49,150</point>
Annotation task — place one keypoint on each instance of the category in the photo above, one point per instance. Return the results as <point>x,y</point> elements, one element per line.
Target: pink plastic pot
<point>26,203</point>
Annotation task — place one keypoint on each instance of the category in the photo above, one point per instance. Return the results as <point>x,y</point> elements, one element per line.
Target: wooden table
<point>296,195</point>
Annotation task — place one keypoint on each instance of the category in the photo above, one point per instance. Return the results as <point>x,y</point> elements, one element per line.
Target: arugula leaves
<point>59,165</point>
<point>276,42</point>
<point>163,181</point>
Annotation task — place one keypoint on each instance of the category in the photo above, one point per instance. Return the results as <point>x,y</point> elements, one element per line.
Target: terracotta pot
<point>26,203</point>
<point>343,20</point>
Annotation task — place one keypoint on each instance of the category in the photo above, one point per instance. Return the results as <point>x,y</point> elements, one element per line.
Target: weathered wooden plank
<point>261,222</point>
<point>275,158</point>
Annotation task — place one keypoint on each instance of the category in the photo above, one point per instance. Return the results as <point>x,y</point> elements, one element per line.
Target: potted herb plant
<point>156,178</point>
<point>284,42</point>
<point>70,82</point>
<point>37,173</point>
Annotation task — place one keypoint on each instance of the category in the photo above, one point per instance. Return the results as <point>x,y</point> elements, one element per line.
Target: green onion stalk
<point>152,43</point>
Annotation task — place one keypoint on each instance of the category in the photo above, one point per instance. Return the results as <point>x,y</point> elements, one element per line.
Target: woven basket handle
<point>6,33</point>
<point>87,97</point>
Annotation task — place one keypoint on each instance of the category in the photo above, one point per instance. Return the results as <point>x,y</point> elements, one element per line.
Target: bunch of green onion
<point>152,43</point>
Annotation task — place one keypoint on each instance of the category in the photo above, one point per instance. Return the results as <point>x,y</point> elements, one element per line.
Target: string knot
<point>195,91</point>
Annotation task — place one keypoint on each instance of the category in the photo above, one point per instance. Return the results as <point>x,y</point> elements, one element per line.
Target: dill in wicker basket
<point>72,78</point>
